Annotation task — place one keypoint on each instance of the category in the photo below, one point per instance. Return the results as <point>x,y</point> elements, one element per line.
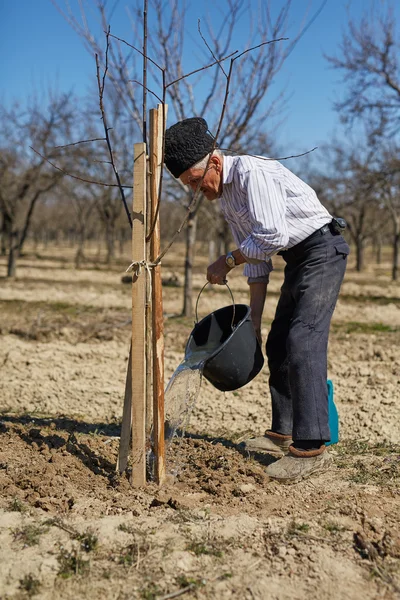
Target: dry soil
<point>70,527</point>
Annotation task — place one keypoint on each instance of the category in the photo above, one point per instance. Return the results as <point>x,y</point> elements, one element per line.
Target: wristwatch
<point>230,260</point>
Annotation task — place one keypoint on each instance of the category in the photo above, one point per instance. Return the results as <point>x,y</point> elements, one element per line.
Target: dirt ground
<point>70,527</point>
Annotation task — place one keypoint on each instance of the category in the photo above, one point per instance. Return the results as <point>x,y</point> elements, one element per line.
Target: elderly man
<point>271,211</point>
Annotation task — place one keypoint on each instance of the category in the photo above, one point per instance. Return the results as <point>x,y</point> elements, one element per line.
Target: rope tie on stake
<point>137,266</point>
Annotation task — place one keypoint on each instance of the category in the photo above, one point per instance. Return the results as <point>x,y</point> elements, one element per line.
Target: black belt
<point>321,231</point>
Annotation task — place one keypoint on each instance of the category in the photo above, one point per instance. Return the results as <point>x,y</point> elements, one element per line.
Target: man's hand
<point>258,334</point>
<point>256,320</point>
<point>217,271</point>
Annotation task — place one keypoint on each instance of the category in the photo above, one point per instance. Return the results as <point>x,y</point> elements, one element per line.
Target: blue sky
<point>40,49</point>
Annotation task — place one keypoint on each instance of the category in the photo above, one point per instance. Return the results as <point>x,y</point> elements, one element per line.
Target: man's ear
<point>217,162</point>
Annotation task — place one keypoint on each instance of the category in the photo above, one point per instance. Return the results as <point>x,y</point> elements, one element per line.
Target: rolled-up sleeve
<point>267,208</point>
<point>260,270</point>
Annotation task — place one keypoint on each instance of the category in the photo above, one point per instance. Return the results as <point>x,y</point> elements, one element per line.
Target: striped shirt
<point>268,209</point>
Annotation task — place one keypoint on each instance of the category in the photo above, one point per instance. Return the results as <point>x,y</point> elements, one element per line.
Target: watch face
<point>230,261</point>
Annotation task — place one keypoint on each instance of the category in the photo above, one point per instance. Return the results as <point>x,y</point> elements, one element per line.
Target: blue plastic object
<point>333,416</point>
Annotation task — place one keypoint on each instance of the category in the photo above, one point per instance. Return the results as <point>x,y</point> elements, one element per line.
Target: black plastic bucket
<point>227,342</point>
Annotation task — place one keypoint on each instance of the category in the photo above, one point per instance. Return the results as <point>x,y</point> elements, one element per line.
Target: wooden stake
<point>156,137</point>
<point>124,442</point>
<point>138,319</point>
<point>149,326</point>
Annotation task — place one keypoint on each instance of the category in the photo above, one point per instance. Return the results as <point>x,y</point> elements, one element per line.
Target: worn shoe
<point>298,465</point>
<point>274,443</point>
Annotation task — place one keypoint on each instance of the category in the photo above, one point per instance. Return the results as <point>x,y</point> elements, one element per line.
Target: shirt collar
<point>228,169</point>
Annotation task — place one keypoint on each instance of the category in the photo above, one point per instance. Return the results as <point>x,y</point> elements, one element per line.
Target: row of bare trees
<point>24,178</point>
<point>359,181</point>
<point>365,182</point>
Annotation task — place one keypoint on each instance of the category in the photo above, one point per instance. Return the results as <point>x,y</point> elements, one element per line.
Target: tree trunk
<point>121,240</point>
<point>27,223</point>
<point>223,237</point>
<point>396,246</point>
<point>80,255</point>
<point>359,254</point>
<point>211,252</point>
<point>191,229</point>
<point>379,250</point>
<point>110,239</point>
<point>36,241</point>
<point>13,254</point>
<point>5,234</point>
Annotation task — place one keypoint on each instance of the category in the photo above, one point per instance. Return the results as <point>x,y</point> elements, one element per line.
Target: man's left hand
<point>217,271</point>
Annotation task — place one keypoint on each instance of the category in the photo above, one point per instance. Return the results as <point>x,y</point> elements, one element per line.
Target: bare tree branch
<point>104,119</point>
<point>81,142</point>
<point>76,176</point>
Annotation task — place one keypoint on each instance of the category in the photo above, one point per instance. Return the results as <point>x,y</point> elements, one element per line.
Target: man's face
<point>210,184</point>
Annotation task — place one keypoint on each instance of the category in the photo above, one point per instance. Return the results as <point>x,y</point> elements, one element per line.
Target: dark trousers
<point>297,343</point>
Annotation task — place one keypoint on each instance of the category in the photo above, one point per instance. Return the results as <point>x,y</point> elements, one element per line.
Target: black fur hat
<point>186,143</point>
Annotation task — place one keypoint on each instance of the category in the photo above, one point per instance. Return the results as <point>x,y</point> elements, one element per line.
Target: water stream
<point>180,399</point>
<point>183,388</point>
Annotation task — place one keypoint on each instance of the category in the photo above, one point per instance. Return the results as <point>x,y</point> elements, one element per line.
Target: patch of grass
<point>385,449</point>
<point>237,436</point>
<point>71,564</point>
<point>367,299</point>
<point>184,581</point>
<point>188,516</point>
<point>131,554</point>
<point>65,307</point>
<point>150,592</point>
<point>333,527</point>
<point>127,556</point>
<point>126,528</point>
<point>205,547</point>
<point>385,475</point>
<point>186,322</point>
<point>88,540</point>
<point>361,475</point>
<point>17,506</point>
<point>30,534</point>
<point>357,327</point>
<point>363,447</point>
<point>30,585</point>
<point>352,447</point>
<point>294,527</point>
<point>23,306</point>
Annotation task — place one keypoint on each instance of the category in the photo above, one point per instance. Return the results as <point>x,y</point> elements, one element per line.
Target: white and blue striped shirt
<point>268,209</point>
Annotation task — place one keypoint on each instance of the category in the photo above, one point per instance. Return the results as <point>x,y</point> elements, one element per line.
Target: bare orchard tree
<point>388,177</point>
<point>82,200</point>
<point>350,188</point>
<point>25,177</point>
<point>248,111</point>
<point>109,209</point>
<point>109,206</point>
<point>370,60</point>
<point>4,231</point>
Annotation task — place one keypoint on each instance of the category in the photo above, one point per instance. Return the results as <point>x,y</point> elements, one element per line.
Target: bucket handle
<point>233,302</point>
